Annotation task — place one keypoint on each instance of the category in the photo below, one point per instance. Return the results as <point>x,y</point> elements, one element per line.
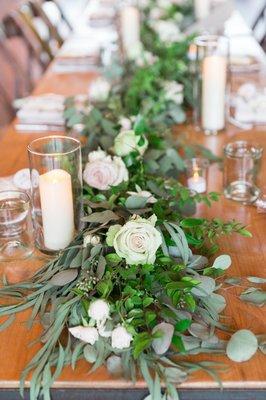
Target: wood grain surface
<point>248,255</point>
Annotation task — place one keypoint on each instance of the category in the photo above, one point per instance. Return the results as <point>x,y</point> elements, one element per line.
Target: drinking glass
<point>241,167</point>
<point>210,83</point>
<point>16,232</point>
<point>56,180</point>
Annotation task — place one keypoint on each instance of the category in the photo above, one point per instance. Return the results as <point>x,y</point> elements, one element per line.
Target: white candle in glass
<point>57,208</point>
<point>197,183</point>
<point>202,8</point>
<point>130,30</point>
<point>213,92</point>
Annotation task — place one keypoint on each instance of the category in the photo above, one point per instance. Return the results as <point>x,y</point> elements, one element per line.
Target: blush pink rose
<point>103,171</point>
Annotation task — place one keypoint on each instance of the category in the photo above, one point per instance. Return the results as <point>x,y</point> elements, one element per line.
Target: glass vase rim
<point>253,148</point>
<point>65,138</point>
<point>209,40</point>
<point>17,193</point>
<point>202,162</point>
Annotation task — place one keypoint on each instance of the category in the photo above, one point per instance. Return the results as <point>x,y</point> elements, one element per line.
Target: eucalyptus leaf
<point>242,346</point>
<point>136,202</point>
<point>102,217</point>
<point>199,331</point>
<point>256,279</point>
<point>222,262</point>
<point>114,365</point>
<point>90,353</point>
<point>101,267</point>
<point>254,296</point>
<point>215,301</point>
<point>205,288</point>
<point>64,277</point>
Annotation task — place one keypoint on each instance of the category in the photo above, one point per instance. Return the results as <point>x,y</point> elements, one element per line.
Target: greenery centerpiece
<point>140,285</point>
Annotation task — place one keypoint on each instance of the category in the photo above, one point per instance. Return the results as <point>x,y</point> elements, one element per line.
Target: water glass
<point>16,232</point>
<point>241,167</point>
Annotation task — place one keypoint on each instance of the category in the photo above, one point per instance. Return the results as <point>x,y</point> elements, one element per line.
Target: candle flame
<point>196,175</point>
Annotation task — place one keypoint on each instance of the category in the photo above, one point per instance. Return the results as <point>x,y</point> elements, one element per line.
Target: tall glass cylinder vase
<point>211,83</point>
<point>56,180</point>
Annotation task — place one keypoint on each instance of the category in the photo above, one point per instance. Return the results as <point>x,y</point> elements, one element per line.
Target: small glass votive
<point>197,174</point>
<point>241,167</point>
<point>210,84</point>
<point>56,180</point>
<point>16,232</point>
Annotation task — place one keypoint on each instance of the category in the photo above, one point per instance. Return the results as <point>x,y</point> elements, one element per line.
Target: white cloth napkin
<point>46,109</point>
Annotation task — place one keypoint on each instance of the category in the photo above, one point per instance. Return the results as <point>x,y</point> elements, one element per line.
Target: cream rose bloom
<point>99,90</point>
<point>121,338</point>
<point>99,310</point>
<point>168,31</point>
<point>128,141</point>
<point>137,241</point>
<point>173,91</point>
<point>87,334</point>
<point>102,171</point>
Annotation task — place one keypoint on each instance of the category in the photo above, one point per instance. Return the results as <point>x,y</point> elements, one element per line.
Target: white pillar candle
<point>130,30</point>
<point>57,208</point>
<point>202,8</point>
<point>197,183</point>
<point>213,92</point>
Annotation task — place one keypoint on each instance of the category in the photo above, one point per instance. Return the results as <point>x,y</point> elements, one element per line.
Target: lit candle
<point>202,8</point>
<point>213,92</point>
<point>130,30</point>
<point>57,208</point>
<point>197,183</point>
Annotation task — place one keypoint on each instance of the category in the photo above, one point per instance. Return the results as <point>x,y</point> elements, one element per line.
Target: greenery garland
<point>136,289</point>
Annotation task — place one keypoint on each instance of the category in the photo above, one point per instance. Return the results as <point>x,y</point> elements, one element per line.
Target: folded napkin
<point>250,104</point>
<point>77,55</point>
<point>44,110</point>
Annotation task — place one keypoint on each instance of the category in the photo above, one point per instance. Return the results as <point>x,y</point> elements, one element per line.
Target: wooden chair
<point>260,25</point>
<point>14,26</point>
<point>29,20</point>
<point>39,19</point>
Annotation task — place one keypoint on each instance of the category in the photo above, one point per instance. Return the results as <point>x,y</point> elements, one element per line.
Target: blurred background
<point>31,32</point>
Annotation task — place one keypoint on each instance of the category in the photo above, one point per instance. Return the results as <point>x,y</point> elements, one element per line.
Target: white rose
<point>99,90</point>
<point>146,58</point>
<point>99,310</point>
<point>156,13</point>
<point>138,240</point>
<point>168,31</point>
<point>121,338</point>
<point>102,172</point>
<point>91,239</point>
<point>173,91</point>
<point>97,155</point>
<point>125,123</point>
<point>85,333</point>
<point>128,141</point>
<point>164,3</point>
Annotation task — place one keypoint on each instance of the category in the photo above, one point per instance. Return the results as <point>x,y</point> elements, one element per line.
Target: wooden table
<point>241,381</point>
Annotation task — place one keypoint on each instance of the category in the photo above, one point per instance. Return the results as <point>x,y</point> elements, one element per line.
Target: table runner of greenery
<point>139,288</point>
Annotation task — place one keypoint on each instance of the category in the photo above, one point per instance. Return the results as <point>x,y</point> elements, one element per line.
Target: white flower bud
<point>91,239</point>
<point>87,334</point>
<point>99,310</point>
<point>121,338</point>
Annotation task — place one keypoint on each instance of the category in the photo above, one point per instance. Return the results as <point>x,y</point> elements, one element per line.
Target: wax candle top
<point>54,176</point>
